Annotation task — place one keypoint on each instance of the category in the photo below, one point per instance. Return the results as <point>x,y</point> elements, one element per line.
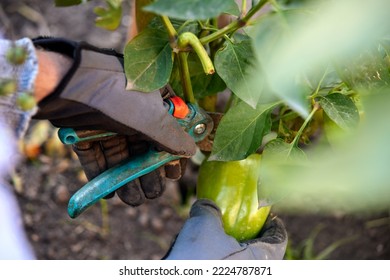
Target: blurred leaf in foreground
<point>288,43</point>
<point>352,176</point>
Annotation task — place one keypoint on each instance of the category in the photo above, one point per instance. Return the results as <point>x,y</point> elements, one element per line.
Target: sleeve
<point>14,243</point>
<point>23,75</point>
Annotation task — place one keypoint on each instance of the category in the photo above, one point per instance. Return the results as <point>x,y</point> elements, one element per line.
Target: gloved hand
<point>92,96</point>
<point>202,237</point>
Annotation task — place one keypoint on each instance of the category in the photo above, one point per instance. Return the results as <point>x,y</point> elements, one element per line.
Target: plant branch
<point>105,218</point>
<point>294,143</point>
<point>317,90</point>
<point>172,33</point>
<point>187,39</point>
<point>235,25</point>
<point>185,77</point>
<point>243,8</point>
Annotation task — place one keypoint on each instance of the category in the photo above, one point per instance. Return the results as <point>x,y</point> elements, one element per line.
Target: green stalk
<point>315,94</point>
<point>184,41</point>
<point>172,33</point>
<point>233,26</point>
<point>294,143</point>
<point>105,218</point>
<point>188,39</point>
<point>185,77</point>
<point>243,8</point>
<point>208,103</point>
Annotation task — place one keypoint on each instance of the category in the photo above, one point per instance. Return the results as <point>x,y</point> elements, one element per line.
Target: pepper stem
<point>188,39</point>
<point>172,33</point>
<point>185,77</point>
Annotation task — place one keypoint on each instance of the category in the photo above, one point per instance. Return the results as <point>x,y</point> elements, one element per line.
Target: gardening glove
<point>92,96</point>
<point>203,237</point>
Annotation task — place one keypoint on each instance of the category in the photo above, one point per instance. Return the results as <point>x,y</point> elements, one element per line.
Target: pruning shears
<point>195,121</point>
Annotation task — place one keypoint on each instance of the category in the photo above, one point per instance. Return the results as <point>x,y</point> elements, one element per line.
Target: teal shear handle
<point>114,178</point>
<point>197,123</point>
<point>69,136</point>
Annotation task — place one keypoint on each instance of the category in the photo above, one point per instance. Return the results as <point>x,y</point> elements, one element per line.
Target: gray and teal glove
<point>92,96</point>
<point>203,238</point>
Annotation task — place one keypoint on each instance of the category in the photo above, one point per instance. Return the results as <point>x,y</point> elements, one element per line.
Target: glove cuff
<point>73,50</point>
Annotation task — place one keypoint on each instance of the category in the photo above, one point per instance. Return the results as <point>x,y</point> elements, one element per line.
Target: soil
<point>113,230</point>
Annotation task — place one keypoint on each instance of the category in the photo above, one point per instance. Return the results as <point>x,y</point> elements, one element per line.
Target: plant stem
<point>235,25</point>
<point>231,27</point>
<point>187,39</point>
<point>181,58</point>
<point>294,143</point>
<point>315,94</point>
<point>275,5</point>
<point>185,77</point>
<point>243,8</point>
<point>208,103</point>
<point>254,10</point>
<point>172,33</point>
<point>105,218</point>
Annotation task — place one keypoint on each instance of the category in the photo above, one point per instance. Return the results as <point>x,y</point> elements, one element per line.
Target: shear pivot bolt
<point>200,128</point>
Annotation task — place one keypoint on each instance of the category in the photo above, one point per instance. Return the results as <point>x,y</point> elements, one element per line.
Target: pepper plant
<point>304,83</point>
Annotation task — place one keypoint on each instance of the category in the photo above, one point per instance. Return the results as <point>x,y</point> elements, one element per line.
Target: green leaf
<point>351,176</point>
<point>277,150</point>
<point>207,85</point>
<point>180,25</point>
<point>241,131</point>
<point>203,85</point>
<point>234,63</point>
<point>290,42</point>
<point>367,69</point>
<point>190,9</point>
<point>109,18</point>
<point>282,150</point>
<point>341,110</point>
<point>148,61</point>
<point>67,3</point>
<point>233,9</point>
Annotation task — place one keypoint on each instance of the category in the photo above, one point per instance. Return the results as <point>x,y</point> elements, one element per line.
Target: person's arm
<point>52,68</point>
<point>22,75</point>
<point>14,243</point>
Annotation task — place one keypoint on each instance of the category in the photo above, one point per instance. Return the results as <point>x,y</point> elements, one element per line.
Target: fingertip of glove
<point>274,231</point>
<point>183,146</point>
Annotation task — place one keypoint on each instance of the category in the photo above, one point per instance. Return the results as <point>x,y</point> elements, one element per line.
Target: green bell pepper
<point>232,186</point>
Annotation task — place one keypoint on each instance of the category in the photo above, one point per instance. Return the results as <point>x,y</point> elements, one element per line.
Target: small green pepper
<point>25,101</point>
<point>7,87</point>
<point>232,186</point>
<point>16,55</point>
